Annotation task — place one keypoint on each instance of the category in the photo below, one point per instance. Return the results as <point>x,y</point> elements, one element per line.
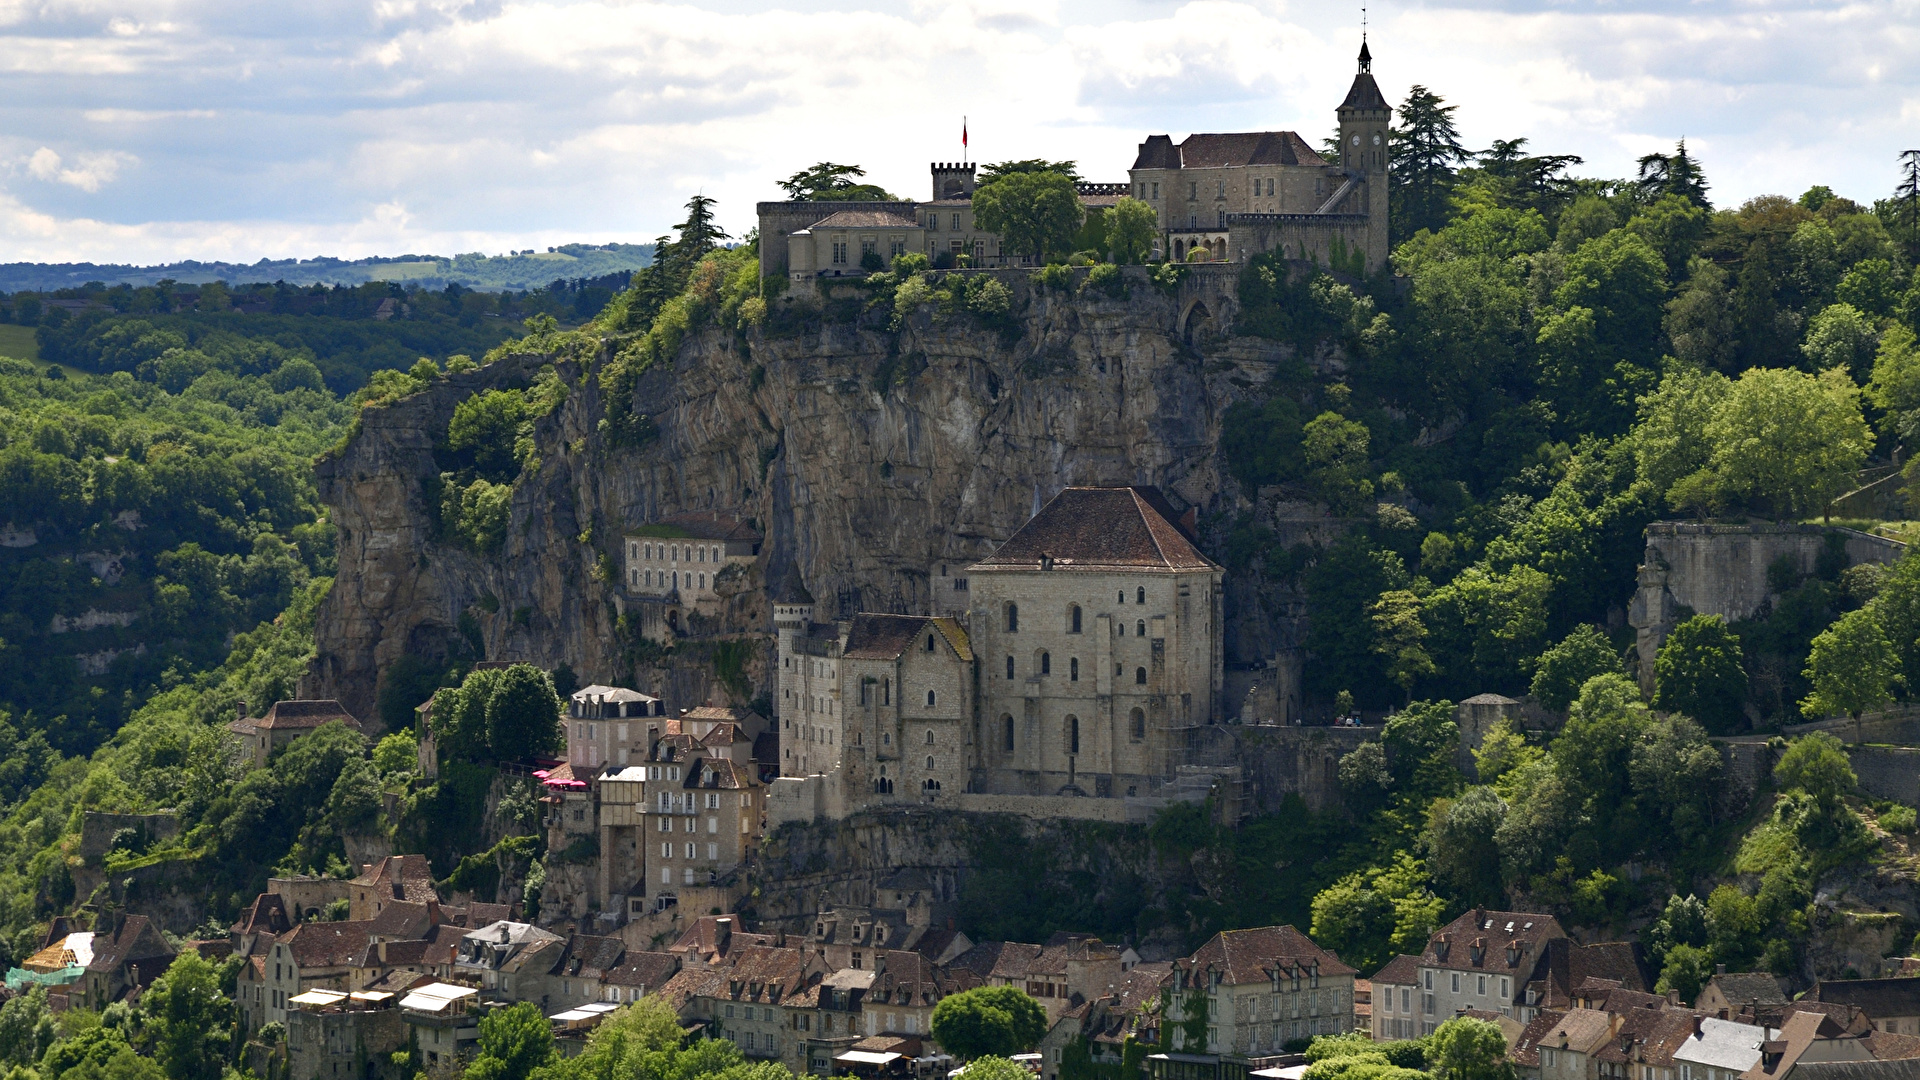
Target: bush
<point>1054,276</point>
<point>1898,819</point>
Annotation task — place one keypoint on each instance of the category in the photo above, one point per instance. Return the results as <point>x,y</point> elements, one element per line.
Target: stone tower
<point>1364,150</point>
<point>953,180</point>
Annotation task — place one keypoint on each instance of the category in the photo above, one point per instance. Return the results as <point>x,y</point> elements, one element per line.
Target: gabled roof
<point>1723,1044</point>
<point>1579,1030</point>
<point>722,714</point>
<point>590,956</point>
<point>136,939</point>
<point>1101,529</point>
<point>1402,970</point>
<point>1526,1049</point>
<point>297,715</point>
<point>266,915</point>
<point>618,695</point>
<point>1480,941</point>
<point>405,920</point>
<point>1257,955</point>
<point>874,636</point>
<point>998,959</point>
<point>412,872</point>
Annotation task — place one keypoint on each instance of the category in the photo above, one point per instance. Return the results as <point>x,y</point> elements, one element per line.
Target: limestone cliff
<point>869,457</point>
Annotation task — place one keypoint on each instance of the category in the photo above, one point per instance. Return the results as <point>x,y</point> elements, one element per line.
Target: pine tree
<point>1908,192</point>
<point>1426,156</point>
<point>1679,174</point>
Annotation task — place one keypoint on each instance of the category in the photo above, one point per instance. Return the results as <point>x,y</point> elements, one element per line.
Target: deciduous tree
<point>996,1021</point>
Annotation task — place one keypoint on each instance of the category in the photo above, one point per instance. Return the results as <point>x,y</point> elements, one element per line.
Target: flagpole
<point>965,156</point>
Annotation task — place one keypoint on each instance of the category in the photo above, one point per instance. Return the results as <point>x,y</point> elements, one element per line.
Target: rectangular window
<point>1156,190</point>
<point>713,852</point>
<point>1481,988</point>
<point>1455,981</point>
<point>956,223</point>
<point>1193,190</point>
<point>896,247</point>
<point>840,253</point>
<point>867,247</point>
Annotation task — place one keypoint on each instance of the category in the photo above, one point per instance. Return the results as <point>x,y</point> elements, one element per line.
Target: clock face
<point>1356,140</point>
<point>1376,140</point>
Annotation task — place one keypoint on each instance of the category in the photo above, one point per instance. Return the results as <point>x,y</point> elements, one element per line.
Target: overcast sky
<point>155,130</point>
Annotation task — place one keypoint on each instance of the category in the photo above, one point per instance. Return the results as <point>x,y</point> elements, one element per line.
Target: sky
<point>158,130</point>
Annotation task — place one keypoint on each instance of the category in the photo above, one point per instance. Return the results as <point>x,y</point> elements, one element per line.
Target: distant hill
<point>521,270</point>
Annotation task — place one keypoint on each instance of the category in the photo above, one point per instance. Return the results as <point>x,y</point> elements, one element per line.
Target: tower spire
<point>1366,57</point>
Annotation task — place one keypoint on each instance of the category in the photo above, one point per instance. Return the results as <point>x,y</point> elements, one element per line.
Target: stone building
<point>1396,996</point>
<point>396,877</point>
<point>807,683</point>
<point>1262,989</point>
<point>607,726</point>
<point>1233,196</point>
<point>840,243</point>
<point>679,559</point>
<point>1079,694</point>
<point>284,722</point>
<point>907,695</point>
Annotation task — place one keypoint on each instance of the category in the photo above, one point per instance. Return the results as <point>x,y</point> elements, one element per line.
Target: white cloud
<point>365,126</point>
<point>88,174</point>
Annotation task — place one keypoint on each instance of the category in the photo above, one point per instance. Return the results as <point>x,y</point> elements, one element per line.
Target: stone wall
<point>97,828</point>
<point>1888,772</point>
<point>1708,569</point>
<point>305,896</point>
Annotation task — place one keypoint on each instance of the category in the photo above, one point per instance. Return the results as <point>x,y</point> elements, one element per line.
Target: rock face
<point>868,457</point>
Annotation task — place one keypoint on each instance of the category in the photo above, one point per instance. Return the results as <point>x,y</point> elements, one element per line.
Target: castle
<point>1091,650</point>
<point>1216,197</point>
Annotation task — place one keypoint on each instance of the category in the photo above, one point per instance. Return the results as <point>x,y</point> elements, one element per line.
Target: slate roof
<point>1478,941</point>
<point>328,944</point>
<point>296,715</point>
<point>1723,1044</point>
<point>1252,956</point>
<point>865,219</point>
<point>702,938</point>
<point>398,953</point>
<point>1882,999</point>
<point>1578,1030</point>
<point>997,959</point>
<point>1364,94</point>
<point>590,956</point>
<point>1402,970</point>
<point>1101,529</point>
<point>481,914</point>
<point>723,714</point>
<point>1211,150</point>
<point>875,636</point>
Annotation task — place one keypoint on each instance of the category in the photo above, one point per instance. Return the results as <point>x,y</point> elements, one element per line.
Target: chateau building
<point>1232,196</point>
<point>1217,197</point>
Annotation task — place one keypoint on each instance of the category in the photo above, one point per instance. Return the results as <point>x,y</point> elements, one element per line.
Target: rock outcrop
<point>868,457</point>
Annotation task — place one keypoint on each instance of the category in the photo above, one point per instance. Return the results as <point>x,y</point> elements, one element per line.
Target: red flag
<point>963,132</point>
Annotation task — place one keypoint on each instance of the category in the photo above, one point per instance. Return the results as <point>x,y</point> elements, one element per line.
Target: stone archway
<point>1197,322</point>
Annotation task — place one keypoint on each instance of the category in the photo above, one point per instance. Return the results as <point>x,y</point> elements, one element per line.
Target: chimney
<point>240,709</point>
<point>722,934</point>
<point>383,950</point>
<point>1699,1022</point>
<point>1719,969</point>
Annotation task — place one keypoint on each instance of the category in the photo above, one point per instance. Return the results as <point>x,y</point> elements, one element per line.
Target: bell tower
<point>1363,122</point>
<point>1366,156</point>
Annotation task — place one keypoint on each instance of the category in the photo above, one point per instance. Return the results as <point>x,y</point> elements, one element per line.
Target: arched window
<point>1046,663</point>
<point>1013,618</point>
<point>1006,720</point>
<point>1137,724</point>
<point>1009,667</point>
<point>1140,595</point>
<point>1122,598</point>
<point>929,699</point>
<point>1073,734</point>
<point>929,736</point>
<point>1073,619</point>
<point>929,762</point>
<point>1140,628</point>
<point>929,642</point>
<point>1073,669</point>
<point>1122,627</point>
<point>1140,676</point>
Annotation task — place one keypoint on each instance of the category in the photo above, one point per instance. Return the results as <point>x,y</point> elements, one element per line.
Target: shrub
<point>1054,276</point>
<point>1898,819</point>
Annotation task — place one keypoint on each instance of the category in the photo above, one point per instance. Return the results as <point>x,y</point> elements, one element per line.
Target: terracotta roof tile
<point>327,944</point>
<point>1252,956</point>
<point>284,715</point>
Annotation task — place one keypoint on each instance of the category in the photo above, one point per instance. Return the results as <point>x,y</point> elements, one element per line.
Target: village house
<point>677,558</point>
<point>606,726</point>
<point>1396,991</point>
<point>1261,989</point>
<point>507,959</point>
<point>443,1020</point>
<point>1720,1049</point>
<point>318,955</point>
<point>1129,1009</point>
<point>397,877</point>
<point>1730,995</point>
<point>128,953</point>
<point>1893,1004</point>
<point>636,975</point>
<point>338,1036</point>
<point>284,722</point>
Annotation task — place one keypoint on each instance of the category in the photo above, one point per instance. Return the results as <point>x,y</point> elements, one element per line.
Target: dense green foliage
<point>988,1021</point>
